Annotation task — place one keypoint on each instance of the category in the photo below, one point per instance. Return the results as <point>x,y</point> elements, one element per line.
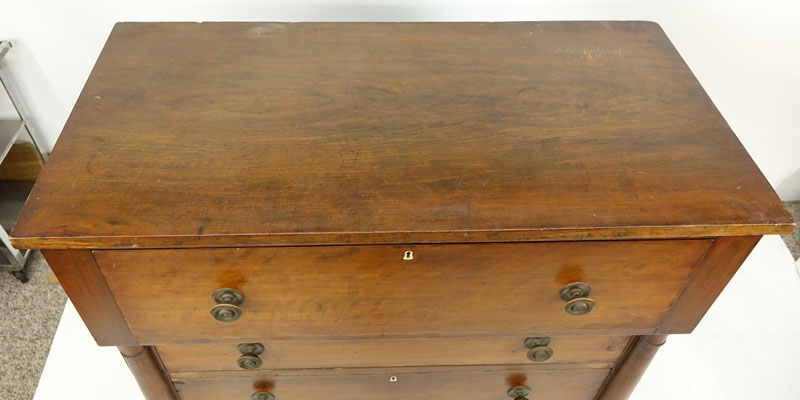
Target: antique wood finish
<point>395,132</point>
<point>371,291</point>
<point>600,351</point>
<point>626,375</point>
<point>407,200</point>
<point>433,383</point>
<point>147,369</point>
<point>708,279</point>
<point>78,274</point>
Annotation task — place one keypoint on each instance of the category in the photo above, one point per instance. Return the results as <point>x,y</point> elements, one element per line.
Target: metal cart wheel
<point>21,276</point>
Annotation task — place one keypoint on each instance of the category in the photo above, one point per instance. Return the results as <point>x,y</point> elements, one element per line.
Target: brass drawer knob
<point>255,349</point>
<point>249,361</point>
<point>539,348</point>
<point>519,392</point>
<point>228,302</point>
<point>250,355</point>
<point>577,297</point>
<point>579,306</point>
<point>262,396</point>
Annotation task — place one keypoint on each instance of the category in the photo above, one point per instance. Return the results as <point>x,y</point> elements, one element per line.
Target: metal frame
<point>16,257</point>
<point>19,103</point>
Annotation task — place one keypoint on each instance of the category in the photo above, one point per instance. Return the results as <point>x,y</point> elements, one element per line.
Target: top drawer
<point>387,290</point>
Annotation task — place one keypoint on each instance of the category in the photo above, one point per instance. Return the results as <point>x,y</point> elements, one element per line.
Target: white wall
<point>745,53</point>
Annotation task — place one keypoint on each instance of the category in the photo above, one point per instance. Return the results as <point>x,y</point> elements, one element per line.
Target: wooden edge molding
<point>149,372</point>
<point>706,282</point>
<point>81,278</point>
<point>24,240</point>
<point>634,362</point>
<point>510,369</point>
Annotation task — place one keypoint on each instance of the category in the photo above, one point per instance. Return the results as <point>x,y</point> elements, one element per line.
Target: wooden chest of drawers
<point>437,210</point>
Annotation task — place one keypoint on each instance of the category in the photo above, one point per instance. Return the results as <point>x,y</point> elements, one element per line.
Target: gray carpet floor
<point>793,241</point>
<point>29,315</point>
<point>31,311</point>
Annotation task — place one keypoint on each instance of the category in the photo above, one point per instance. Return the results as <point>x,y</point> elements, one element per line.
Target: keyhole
<point>409,255</point>
<point>392,379</point>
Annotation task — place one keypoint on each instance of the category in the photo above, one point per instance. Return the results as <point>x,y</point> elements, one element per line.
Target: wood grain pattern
<point>396,132</point>
<point>445,384</point>
<point>599,350</point>
<point>370,291</point>
<point>626,375</point>
<point>708,279</point>
<point>80,277</point>
<point>150,376</point>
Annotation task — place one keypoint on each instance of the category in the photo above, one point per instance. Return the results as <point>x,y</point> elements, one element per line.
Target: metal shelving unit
<point>13,194</point>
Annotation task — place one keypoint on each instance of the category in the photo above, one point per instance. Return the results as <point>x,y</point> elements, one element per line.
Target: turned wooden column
<point>625,377</point>
<point>147,369</point>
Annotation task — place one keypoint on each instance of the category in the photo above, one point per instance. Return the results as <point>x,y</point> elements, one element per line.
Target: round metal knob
<point>539,354</point>
<point>580,306</point>
<point>519,392</point>
<point>539,350</point>
<point>536,341</point>
<point>262,396</point>
<point>255,349</point>
<point>226,312</point>
<point>249,361</point>
<point>575,290</point>
<point>577,297</point>
<point>228,296</point>
<point>250,353</point>
<point>227,308</point>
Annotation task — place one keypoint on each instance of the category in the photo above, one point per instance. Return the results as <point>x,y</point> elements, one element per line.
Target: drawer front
<point>580,384</point>
<point>600,351</point>
<point>385,291</point>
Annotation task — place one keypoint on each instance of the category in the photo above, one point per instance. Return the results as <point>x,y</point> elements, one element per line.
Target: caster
<point>21,276</point>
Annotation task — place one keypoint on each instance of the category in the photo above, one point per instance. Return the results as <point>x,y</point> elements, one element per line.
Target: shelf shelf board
<point>12,198</point>
<point>10,129</point>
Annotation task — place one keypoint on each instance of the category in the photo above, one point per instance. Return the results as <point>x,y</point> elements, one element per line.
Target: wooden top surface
<point>225,134</point>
